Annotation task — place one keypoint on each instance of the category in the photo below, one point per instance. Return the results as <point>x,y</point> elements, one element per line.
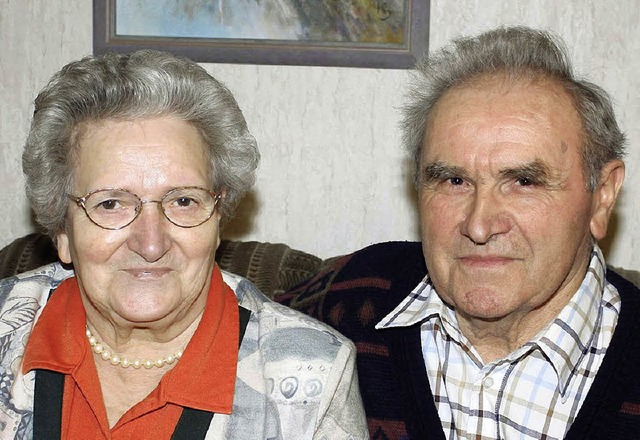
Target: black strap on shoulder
<point>194,423</point>
<point>49,388</point>
<point>47,405</point>
<point>244,320</point>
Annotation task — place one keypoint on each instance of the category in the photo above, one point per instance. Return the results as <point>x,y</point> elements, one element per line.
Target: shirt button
<point>488,382</point>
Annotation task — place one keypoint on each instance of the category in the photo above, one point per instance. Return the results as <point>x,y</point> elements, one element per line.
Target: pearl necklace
<point>116,359</point>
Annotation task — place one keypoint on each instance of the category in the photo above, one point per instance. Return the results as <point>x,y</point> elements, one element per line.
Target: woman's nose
<point>149,232</point>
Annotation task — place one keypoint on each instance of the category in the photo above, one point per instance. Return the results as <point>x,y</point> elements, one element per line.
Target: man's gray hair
<point>514,53</point>
<point>144,84</point>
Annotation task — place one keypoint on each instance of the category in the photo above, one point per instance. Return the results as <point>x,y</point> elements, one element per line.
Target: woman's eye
<point>184,202</point>
<point>108,204</point>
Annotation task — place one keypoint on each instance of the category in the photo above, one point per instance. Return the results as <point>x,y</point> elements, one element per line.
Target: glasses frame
<point>80,201</point>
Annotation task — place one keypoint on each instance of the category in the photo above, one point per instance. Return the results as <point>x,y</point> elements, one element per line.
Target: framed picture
<point>351,33</point>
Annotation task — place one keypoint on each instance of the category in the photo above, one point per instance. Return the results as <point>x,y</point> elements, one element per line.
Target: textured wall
<point>333,177</point>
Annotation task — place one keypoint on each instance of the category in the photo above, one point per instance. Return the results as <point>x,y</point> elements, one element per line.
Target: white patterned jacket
<point>295,379</point>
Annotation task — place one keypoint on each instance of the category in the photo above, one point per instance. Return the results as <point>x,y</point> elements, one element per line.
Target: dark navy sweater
<point>356,291</point>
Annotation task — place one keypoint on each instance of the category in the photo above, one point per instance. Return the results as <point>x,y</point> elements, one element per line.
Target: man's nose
<point>486,216</point>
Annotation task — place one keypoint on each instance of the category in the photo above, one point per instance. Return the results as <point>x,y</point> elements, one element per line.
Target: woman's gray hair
<point>144,84</point>
<point>515,53</point>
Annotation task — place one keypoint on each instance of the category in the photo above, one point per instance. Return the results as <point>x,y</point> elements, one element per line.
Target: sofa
<point>351,293</point>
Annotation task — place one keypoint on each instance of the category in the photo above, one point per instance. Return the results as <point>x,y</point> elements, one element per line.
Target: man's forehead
<point>502,86</point>
<point>523,113</point>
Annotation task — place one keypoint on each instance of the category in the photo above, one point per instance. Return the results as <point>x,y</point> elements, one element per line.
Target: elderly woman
<point>132,163</point>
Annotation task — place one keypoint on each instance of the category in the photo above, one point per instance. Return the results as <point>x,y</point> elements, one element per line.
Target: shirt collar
<point>204,378</point>
<point>413,309</point>
<point>564,342</point>
<point>568,338</point>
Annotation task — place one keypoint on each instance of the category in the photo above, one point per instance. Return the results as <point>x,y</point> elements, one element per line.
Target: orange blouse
<point>203,379</point>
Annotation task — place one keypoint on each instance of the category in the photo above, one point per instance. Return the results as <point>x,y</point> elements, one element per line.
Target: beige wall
<point>333,177</point>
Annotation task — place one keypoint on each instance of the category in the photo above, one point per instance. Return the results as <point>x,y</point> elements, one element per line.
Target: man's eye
<point>524,181</point>
<point>456,181</point>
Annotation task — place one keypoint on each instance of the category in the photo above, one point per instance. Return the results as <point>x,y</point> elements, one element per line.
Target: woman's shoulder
<point>36,283</point>
<point>290,360</point>
<point>283,323</point>
<point>22,296</point>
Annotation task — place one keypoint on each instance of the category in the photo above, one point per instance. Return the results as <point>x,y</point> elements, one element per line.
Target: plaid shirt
<point>533,393</point>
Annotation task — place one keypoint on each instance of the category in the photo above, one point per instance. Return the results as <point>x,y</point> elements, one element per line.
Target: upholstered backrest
<point>26,253</point>
<point>272,267</point>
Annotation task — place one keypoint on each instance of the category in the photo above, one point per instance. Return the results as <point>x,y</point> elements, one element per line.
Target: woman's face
<point>151,273</point>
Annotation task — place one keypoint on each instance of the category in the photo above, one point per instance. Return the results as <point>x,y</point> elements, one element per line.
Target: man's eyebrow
<point>537,172</point>
<point>438,171</point>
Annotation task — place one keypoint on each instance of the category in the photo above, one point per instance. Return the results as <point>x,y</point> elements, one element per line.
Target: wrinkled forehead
<point>83,129</point>
<point>125,149</point>
<point>502,84</point>
<point>504,102</point>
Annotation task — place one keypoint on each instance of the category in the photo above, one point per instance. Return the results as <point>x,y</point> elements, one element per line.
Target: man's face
<point>506,220</point>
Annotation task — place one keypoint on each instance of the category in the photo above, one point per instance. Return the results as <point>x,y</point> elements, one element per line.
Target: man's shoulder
<point>626,279</point>
<point>630,303</point>
<point>610,408</point>
<point>387,259</point>
<point>392,269</point>
<point>356,291</point>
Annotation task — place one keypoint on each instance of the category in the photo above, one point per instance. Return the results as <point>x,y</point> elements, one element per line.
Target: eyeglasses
<point>115,208</point>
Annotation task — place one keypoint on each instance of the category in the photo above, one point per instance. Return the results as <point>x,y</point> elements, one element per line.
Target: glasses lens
<point>112,209</point>
<point>188,207</point>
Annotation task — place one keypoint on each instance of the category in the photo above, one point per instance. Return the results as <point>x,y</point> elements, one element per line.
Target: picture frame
<point>411,22</point>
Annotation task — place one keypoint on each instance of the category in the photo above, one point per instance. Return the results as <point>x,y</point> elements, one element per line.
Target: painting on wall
<point>357,33</point>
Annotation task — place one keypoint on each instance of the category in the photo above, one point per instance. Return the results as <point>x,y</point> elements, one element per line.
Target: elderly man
<point>515,329</point>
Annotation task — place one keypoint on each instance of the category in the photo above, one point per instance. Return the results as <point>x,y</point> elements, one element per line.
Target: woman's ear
<point>605,196</point>
<point>221,196</point>
<point>64,251</point>
<point>220,217</point>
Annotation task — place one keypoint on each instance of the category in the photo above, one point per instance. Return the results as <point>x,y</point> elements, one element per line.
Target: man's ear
<point>64,251</point>
<point>605,196</point>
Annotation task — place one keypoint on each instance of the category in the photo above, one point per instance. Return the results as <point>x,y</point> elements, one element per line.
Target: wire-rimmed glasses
<point>117,208</point>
